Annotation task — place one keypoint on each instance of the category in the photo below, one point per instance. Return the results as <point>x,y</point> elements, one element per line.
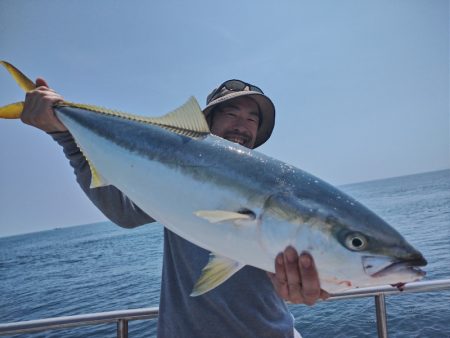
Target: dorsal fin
<point>187,120</point>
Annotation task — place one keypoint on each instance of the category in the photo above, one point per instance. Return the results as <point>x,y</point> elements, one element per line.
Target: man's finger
<point>40,82</point>
<point>279,278</point>
<point>293,275</point>
<point>310,279</point>
<point>324,295</point>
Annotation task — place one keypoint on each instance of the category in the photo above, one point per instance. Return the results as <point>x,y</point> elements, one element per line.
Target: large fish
<point>239,204</point>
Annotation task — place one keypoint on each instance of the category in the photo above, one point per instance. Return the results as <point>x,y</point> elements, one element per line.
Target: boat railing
<point>122,317</point>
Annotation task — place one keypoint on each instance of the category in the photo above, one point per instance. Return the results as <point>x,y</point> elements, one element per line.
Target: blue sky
<point>361,87</point>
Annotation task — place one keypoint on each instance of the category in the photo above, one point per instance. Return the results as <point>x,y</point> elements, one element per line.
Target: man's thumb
<point>40,82</point>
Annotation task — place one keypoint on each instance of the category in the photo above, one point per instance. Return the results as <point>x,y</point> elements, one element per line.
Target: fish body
<point>239,204</point>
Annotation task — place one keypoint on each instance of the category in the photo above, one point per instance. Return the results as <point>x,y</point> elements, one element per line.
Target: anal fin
<point>97,180</point>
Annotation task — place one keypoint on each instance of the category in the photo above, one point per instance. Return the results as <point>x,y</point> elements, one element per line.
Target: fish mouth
<point>383,266</point>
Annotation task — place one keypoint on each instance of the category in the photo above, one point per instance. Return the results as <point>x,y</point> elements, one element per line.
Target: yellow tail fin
<point>11,111</point>
<point>24,82</point>
<point>14,110</point>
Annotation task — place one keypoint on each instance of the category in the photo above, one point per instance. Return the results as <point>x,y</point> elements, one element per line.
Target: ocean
<point>102,267</point>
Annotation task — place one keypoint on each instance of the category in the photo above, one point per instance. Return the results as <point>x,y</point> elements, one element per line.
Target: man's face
<point>237,121</point>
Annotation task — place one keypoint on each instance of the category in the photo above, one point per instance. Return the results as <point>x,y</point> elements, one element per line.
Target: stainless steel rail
<point>122,317</point>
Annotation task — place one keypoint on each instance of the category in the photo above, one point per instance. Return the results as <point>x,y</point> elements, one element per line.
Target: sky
<point>361,87</point>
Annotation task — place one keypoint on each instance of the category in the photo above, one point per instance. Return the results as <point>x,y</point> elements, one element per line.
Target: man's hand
<point>38,108</point>
<point>296,279</point>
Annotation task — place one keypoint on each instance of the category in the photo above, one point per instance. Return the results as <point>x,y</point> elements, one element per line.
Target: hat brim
<point>267,111</point>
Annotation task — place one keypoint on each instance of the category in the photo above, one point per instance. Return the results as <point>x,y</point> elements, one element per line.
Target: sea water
<point>102,267</point>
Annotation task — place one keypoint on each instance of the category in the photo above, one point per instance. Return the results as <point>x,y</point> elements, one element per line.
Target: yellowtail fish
<point>239,204</point>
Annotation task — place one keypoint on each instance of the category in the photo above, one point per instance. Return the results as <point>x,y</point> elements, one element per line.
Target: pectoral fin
<point>216,216</point>
<point>217,271</point>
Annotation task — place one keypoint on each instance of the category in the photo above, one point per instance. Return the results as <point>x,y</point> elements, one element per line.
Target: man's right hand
<point>38,108</point>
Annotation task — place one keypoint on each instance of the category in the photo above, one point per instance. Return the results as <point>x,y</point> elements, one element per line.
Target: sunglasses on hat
<point>234,86</point>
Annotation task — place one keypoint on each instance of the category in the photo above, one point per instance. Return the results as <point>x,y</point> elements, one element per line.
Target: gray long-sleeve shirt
<point>246,305</point>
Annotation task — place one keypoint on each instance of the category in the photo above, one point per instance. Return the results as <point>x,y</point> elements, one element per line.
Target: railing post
<point>122,328</point>
<point>380,307</point>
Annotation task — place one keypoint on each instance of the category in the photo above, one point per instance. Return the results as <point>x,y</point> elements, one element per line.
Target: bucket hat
<point>236,88</point>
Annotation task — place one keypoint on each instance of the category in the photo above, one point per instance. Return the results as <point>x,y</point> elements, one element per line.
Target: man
<point>250,304</point>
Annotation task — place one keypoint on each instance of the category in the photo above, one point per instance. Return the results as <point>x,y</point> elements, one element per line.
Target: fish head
<point>381,255</point>
<point>351,245</point>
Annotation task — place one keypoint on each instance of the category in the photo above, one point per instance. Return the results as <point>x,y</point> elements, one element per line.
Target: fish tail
<point>11,111</point>
<point>14,110</point>
<point>22,80</point>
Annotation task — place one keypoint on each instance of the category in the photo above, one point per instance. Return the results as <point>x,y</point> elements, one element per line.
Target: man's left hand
<point>296,279</point>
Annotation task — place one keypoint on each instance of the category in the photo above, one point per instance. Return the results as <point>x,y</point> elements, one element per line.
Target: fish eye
<point>356,242</point>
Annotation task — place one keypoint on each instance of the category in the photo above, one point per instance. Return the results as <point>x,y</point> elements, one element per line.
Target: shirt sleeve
<point>115,205</point>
